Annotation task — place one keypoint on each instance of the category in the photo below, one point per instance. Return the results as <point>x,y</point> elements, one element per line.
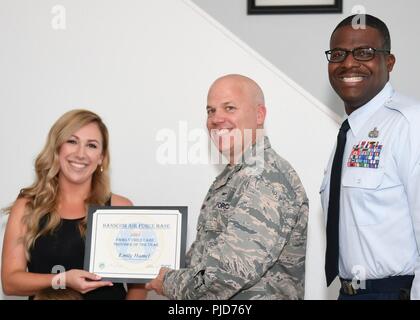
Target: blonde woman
<point>47,222</point>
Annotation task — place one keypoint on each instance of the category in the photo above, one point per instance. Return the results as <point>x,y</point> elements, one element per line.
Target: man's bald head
<point>245,85</point>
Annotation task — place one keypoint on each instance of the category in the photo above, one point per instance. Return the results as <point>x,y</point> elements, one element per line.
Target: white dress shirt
<point>379,228</point>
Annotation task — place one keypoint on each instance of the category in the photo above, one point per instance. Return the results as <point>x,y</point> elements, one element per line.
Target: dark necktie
<point>331,257</point>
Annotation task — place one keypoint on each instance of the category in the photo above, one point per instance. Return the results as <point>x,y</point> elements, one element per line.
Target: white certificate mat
<point>131,244</point>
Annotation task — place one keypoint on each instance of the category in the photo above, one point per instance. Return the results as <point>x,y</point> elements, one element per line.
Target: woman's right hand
<point>81,280</point>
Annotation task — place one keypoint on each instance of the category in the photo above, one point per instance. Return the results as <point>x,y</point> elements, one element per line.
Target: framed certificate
<point>294,6</point>
<point>131,244</point>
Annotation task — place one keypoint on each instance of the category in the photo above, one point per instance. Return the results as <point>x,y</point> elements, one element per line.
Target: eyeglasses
<point>359,54</point>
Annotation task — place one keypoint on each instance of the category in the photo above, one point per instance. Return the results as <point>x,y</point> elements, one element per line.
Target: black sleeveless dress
<point>65,247</point>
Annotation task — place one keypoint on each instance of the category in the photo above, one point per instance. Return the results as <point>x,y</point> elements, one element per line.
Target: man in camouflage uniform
<point>251,232</point>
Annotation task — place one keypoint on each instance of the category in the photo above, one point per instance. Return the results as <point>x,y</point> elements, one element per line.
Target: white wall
<point>145,66</point>
<point>296,43</point>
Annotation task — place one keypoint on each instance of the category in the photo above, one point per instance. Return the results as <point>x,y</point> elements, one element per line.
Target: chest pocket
<point>212,230</point>
<point>369,179</point>
<point>369,195</point>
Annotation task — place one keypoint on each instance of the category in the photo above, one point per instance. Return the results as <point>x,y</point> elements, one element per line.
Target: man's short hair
<point>370,21</point>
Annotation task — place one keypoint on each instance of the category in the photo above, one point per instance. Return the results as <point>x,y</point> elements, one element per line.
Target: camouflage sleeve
<point>240,255</point>
<point>194,253</point>
<point>294,255</point>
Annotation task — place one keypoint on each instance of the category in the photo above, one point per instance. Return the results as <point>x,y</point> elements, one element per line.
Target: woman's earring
<point>102,169</point>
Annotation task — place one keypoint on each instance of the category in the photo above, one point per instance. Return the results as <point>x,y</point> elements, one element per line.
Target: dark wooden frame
<point>337,7</point>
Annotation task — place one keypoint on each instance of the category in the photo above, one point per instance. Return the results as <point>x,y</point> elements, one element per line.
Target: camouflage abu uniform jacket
<point>251,236</point>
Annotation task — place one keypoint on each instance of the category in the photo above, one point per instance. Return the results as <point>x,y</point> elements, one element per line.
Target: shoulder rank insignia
<point>374,133</point>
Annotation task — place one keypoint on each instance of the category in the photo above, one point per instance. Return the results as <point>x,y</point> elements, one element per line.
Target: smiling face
<point>81,154</point>
<point>357,82</point>
<point>235,109</point>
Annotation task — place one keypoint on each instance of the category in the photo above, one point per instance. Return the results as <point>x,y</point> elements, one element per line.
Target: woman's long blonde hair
<point>42,195</point>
